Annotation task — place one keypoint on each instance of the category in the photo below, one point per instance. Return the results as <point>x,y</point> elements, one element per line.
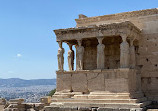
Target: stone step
<point>107,93</point>
<point>105,96</point>
<point>60,96</point>
<point>137,94</point>
<point>106,105</point>
<point>68,93</point>
<point>102,97</point>
<point>92,96</point>
<point>101,100</point>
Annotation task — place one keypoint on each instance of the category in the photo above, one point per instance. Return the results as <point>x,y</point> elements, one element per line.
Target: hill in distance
<point>16,82</point>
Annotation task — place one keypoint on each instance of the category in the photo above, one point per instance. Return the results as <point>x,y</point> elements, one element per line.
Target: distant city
<point>30,90</point>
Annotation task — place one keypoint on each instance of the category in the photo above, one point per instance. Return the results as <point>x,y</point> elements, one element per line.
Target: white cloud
<point>18,55</point>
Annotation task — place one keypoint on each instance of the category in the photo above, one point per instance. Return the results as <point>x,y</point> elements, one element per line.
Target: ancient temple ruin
<point>116,61</point>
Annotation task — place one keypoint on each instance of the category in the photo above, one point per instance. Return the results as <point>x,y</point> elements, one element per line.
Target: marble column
<point>132,55</point>
<point>124,52</point>
<point>60,56</point>
<point>79,55</point>
<point>100,54</point>
<point>70,58</point>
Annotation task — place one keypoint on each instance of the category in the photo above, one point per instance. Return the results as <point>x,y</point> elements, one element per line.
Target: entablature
<point>114,29</point>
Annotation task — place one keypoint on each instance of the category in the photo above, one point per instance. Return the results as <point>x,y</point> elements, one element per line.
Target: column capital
<point>79,41</point>
<point>70,45</point>
<point>100,33</point>
<point>124,37</point>
<point>131,42</point>
<point>76,46</point>
<point>100,39</point>
<point>60,43</point>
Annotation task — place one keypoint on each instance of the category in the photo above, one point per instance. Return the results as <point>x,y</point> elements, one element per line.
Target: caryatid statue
<point>80,54</point>
<point>100,54</point>
<point>124,53</point>
<point>70,58</point>
<point>132,55</point>
<point>60,57</point>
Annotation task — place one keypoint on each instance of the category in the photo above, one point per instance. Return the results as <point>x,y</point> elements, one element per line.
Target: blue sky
<point>28,45</point>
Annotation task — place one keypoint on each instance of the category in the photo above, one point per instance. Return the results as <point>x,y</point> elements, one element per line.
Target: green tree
<point>51,93</point>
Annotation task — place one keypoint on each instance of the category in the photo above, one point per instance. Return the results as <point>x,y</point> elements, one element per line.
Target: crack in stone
<point>93,77</point>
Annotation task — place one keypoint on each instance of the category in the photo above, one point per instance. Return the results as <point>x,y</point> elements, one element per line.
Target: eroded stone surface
<point>94,78</point>
<point>79,82</point>
<point>64,82</point>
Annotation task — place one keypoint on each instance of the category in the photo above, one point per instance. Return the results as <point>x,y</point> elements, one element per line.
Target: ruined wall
<point>148,48</point>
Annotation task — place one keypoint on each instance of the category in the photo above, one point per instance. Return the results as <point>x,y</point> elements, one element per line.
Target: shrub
<point>51,93</point>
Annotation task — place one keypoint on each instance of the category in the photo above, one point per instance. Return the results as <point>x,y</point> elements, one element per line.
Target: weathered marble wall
<point>148,52</point>
<point>110,81</point>
<point>112,52</point>
<point>90,54</point>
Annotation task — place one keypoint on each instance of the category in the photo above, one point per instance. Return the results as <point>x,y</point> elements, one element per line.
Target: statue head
<point>79,42</point>
<point>100,40</point>
<point>70,46</point>
<point>123,36</point>
<point>60,44</point>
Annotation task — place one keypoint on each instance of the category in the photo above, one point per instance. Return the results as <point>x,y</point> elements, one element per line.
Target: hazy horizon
<point>27,79</point>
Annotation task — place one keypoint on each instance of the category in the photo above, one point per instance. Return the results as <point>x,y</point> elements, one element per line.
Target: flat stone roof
<point>117,16</point>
